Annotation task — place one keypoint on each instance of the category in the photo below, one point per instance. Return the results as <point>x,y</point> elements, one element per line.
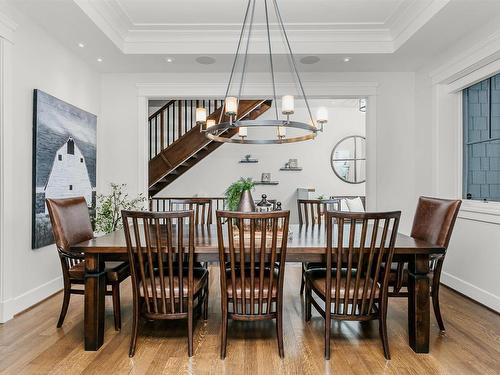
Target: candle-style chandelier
<point>234,119</point>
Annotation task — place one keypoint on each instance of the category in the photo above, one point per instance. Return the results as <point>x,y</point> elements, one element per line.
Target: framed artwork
<point>64,159</point>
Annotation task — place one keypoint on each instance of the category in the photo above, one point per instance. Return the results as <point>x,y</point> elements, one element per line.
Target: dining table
<point>306,243</point>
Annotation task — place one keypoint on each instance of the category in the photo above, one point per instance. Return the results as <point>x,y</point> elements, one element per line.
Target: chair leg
<point>328,322</point>
<point>190,328</point>
<point>383,335</point>
<point>223,343</point>
<point>382,327</point>
<point>307,302</point>
<point>64,308</point>
<point>205,303</point>
<point>279,333</point>
<point>302,280</point>
<point>435,295</point>
<point>135,326</point>
<point>115,289</point>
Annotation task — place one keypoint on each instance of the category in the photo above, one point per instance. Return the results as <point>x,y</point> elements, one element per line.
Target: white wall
<point>217,171</point>
<point>391,107</point>
<point>473,258</point>
<point>38,61</point>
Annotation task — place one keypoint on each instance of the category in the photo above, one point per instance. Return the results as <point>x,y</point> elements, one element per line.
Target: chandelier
<point>231,118</point>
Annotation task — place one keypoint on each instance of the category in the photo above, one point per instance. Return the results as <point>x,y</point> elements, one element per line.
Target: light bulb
<point>281,132</point>
<point>210,123</point>
<point>242,131</point>
<point>231,106</point>
<point>201,115</point>
<point>287,105</point>
<point>322,115</point>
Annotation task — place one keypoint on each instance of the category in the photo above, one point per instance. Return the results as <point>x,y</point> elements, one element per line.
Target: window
<point>81,160</point>
<point>70,187</point>
<point>481,117</point>
<point>59,157</point>
<point>71,147</point>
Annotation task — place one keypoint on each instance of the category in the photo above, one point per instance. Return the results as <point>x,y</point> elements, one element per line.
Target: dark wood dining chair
<point>351,285</point>
<point>71,224</point>
<point>311,212</point>
<point>252,253</point>
<point>202,208</point>
<point>165,283</point>
<point>433,222</point>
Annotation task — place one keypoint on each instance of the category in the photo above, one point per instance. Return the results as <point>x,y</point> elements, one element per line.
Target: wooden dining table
<point>306,243</point>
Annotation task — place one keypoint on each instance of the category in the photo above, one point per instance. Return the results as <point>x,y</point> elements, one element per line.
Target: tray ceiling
<point>314,26</point>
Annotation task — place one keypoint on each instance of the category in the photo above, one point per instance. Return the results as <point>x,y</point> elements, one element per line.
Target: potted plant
<point>109,208</point>
<point>239,197</point>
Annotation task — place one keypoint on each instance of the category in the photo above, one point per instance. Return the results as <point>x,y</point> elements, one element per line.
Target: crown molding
<point>411,18</point>
<point>314,89</point>
<point>7,27</point>
<point>484,52</point>
<point>220,38</point>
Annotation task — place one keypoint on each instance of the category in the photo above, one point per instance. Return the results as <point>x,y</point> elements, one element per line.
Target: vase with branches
<point>109,208</point>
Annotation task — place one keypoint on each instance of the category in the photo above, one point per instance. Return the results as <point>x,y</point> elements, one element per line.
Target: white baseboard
<point>480,295</point>
<point>12,306</point>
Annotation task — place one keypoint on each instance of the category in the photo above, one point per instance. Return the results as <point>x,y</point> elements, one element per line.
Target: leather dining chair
<point>70,225</point>
<point>352,285</point>
<point>165,282</point>
<point>433,222</point>
<point>252,254</point>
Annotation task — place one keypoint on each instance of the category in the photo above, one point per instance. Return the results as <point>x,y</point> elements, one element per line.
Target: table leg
<point>95,289</point>
<point>419,303</point>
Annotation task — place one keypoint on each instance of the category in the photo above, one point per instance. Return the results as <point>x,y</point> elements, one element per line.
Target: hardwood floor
<point>31,343</point>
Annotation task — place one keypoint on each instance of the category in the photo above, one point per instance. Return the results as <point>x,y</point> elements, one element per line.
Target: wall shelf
<point>266,182</point>
<point>291,169</point>
<point>248,161</point>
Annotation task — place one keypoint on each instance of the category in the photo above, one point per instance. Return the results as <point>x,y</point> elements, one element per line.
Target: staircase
<point>176,143</point>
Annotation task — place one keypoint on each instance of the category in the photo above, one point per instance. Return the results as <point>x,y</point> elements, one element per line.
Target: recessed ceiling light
<point>205,60</point>
<point>347,59</point>
<point>81,45</point>
<point>99,59</point>
<point>169,59</point>
<point>308,60</point>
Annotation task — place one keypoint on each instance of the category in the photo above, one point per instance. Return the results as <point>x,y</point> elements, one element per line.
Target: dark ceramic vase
<point>246,202</point>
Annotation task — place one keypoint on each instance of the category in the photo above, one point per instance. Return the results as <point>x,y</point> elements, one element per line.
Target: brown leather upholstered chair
<point>165,283</point>
<point>433,222</point>
<point>71,225</point>
<point>252,280</point>
<point>346,286</point>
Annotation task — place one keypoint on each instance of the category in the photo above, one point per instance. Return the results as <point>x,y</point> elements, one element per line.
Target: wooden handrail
<point>161,109</point>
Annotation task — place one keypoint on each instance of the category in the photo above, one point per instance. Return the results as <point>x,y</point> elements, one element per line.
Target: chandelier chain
<point>292,57</point>
<point>271,60</point>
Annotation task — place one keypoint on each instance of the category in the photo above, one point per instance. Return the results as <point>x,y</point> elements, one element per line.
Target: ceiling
<point>376,35</point>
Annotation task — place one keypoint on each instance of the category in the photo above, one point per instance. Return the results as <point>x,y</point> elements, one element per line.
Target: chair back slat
<point>355,254</point>
<point>202,208</point>
<point>253,266</point>
<point>311,211</point>
<point>160,255</point>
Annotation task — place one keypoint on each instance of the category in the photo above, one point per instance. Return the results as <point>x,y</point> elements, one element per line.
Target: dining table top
<point>303,240</point>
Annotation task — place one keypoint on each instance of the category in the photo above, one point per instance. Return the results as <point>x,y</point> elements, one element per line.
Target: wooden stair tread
<point>178,157</point>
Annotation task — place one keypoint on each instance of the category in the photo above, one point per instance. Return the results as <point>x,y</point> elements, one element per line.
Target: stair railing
<point>173,120</point>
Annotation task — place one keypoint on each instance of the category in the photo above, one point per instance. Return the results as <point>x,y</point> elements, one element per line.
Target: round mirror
<point>349,159</point>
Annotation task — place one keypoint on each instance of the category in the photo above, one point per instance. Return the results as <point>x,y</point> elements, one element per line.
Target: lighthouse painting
<point>64,159</point>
